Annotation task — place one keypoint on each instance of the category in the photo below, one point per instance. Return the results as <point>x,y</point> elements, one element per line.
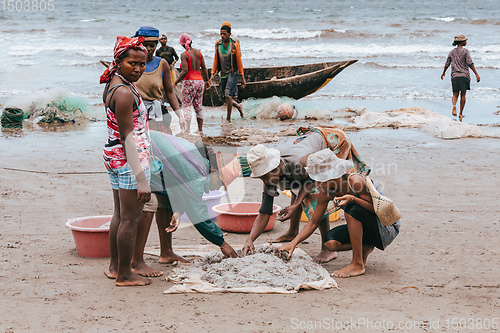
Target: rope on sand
<point>12,118</point>
<point>56,173</point>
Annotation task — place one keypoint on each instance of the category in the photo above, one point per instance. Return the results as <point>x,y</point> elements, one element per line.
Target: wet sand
<point>442,267</point>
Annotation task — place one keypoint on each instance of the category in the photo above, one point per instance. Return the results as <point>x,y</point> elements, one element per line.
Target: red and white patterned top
<point>113,154</point>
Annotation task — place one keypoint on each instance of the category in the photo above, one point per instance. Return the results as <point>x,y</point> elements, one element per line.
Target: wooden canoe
<point>290,81</point>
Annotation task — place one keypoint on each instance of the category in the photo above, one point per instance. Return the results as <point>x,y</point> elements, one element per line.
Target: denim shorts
<point>124,177</point>
<point>229,85</point>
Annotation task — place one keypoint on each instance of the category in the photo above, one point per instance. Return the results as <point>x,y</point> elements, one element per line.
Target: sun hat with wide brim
<point>230,171</point>
<point>325,165</point>
<point>150,34</point>
<point>262,160</point>
<point>460,38</point>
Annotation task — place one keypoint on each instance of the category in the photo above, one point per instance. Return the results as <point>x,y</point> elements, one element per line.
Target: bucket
<point>91,239</point>
<point>211,198</point>
<point>239,216</point>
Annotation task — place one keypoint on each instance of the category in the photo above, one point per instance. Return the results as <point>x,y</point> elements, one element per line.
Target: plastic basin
<point>239,216</point>
<point>211,198</point>
<point>91,241</point>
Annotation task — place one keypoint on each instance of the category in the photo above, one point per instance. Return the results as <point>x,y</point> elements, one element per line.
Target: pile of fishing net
<point>267,271</point>
<point>414,117</point>
<point>56,112</point>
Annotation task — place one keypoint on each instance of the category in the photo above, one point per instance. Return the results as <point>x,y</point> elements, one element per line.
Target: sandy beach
<point>439,275</point>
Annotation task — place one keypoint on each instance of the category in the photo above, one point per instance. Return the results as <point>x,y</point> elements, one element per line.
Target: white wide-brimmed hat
<point>325,165</point>
<point>262,160</point>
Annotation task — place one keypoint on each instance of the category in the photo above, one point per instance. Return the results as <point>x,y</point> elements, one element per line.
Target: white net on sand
<point>414,117</point>
<point>263,272</point>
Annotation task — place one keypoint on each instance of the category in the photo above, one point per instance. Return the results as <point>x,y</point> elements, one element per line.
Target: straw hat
<point>386,210</point>
<point>262,160</point>
<point>230,171</point>
<point>460,38</point>
<point>325,165</point>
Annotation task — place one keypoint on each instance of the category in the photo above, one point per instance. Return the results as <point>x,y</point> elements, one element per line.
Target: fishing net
<point>267,271</point>
<point>57,112</point>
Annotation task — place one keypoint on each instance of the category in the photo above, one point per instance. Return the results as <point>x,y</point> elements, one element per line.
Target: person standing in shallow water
<point>126,155</point>
<point>167,52</point>
<point>460,61</point>
<point>194,75</point>
<point>227,61</point>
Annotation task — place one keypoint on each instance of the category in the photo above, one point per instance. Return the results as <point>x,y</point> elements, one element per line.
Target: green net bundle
<point>57,112</point>
<point>12,118</point>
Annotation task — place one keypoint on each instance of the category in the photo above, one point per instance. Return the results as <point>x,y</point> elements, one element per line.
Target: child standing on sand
<point>460,61</point>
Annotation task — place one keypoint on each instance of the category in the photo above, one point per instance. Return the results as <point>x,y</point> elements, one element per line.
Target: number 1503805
<point>27,5</point>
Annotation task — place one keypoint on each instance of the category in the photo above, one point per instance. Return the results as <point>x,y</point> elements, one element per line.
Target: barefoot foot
<point>170,258</point>
<point>110,273</point>
<point>144,270</point>
<point>239,107</point>
<point>350,271</point>
<point>133,280</point>
<point>325,256</point>
<point>286,237</point>
<point>454,111</point>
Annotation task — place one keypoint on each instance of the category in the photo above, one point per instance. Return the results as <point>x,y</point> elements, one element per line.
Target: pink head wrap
<point>186,41</point>
<point>122,45</point>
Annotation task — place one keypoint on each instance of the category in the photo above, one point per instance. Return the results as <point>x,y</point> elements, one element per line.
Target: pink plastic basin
<point>91,241</point>
<point>239,216</point>
<point>211,198</point>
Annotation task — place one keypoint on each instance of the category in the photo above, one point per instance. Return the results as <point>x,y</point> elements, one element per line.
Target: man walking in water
<point>227,61</point>
<point>460,61</point>
<point>167,52</point>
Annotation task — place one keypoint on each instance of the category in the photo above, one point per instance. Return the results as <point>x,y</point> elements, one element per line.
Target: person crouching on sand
<point>126,155</point>
<point>285,170</point>
<point>363,230</point>
<point>460,60</point>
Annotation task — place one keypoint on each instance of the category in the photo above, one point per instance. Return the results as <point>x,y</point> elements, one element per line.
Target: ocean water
<point>401,47</point>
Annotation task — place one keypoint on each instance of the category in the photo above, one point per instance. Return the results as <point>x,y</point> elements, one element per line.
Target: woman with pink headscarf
<point>192,67</point>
